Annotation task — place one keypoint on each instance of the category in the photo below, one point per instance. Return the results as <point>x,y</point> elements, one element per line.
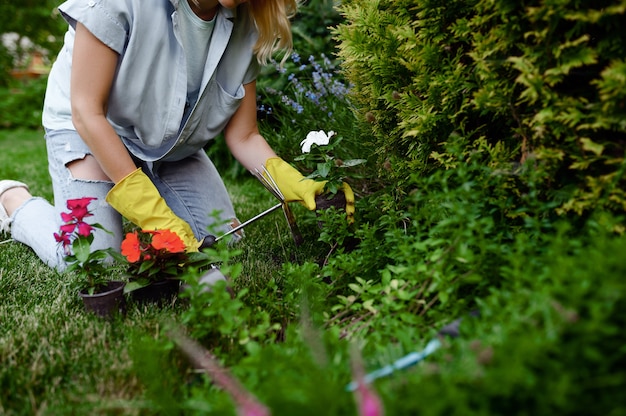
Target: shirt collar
<point>228,13</point>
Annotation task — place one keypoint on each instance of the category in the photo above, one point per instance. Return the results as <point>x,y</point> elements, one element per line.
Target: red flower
<point>84,229</point>
<point>79,208</point>
<point>68,228</point>
<point>131,247</point>
<point>63,237</point>
<point>154,255</point>
<point>167,240</point>
<point>67,217</point>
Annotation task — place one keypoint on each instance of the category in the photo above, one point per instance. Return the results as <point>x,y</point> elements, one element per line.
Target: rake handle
<point>209,240</point>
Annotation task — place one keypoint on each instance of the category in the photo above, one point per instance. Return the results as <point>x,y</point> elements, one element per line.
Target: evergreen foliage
<point>533,81</point>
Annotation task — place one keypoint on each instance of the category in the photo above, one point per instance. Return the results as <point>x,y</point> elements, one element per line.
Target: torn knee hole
<point>87,169</point>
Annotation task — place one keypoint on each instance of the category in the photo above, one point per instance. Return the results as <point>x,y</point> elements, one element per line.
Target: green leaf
<point>324,169</point>
<point>146,265</point>
<point>81,248</point>
<point>136,284</point>
<point>353,162</point>
<point>356,288</point>
<point>592,146</point>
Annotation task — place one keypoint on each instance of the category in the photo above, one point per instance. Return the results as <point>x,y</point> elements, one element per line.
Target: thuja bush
<point>540,81</point>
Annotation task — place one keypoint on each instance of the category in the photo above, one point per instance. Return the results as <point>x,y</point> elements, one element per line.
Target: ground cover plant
<point>452,223</point>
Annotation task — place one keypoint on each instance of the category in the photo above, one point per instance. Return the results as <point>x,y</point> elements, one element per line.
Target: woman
<point>136,92</point>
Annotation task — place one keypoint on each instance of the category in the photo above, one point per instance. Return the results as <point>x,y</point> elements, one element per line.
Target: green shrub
<point>434,256</point>
<point>21,106</point>
<point>549,341</point>
<point>543,82</point>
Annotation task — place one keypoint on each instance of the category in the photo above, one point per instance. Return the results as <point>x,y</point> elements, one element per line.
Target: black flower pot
<point>107,301</point>
<point>161,292</point>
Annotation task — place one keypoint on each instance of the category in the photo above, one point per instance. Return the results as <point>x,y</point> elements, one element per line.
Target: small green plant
<point>317,149</point>
<point>76,237</point>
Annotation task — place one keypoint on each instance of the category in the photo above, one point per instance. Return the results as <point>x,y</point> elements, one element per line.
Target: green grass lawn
<point>55,358</point>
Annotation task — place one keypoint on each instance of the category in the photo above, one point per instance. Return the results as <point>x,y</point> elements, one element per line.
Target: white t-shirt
<point>195,35</point>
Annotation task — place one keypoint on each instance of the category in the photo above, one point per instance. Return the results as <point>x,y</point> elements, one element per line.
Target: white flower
<point>320,138</point>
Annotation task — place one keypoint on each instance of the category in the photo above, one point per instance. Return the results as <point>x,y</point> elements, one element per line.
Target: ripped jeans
<point>192,188</point>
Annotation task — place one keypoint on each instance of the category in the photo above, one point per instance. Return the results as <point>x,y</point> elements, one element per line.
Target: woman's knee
<point>87,168</point>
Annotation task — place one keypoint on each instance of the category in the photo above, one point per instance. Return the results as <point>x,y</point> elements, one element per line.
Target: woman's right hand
<point>137,199</point>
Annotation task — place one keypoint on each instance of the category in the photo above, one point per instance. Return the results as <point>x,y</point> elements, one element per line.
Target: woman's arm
<point>252,151</point>
<point>93,69</point>
<point>242,133</point>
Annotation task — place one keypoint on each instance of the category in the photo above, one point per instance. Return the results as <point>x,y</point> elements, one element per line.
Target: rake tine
<point>274,191</point>
<point>270,184</point>
<point>291,221</point>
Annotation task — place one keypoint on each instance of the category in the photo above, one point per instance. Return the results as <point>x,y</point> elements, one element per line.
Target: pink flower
<point>63,238</point>
<point>79,208</point>
<point>252,408</point>
<point>68,228</point>
<point>84,229</point>
<point>368,401</point>
<point>67,217</point>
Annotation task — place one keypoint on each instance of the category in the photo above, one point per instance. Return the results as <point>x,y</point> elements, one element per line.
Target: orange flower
<point>167,240</point>
<point>154,255</point>
<point>131,247</point>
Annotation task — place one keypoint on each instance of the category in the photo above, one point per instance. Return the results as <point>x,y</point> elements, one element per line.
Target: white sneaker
<point>5,220</point>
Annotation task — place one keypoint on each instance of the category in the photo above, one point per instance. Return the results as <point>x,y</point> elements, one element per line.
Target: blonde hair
<point>272,20</point>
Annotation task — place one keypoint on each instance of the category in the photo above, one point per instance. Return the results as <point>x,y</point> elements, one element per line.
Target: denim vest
<point>147,104</point>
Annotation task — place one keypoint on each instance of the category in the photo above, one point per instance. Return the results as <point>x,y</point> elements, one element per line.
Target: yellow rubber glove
<point>350,209</point>
<point>137,199</point>
<point>295,187</point>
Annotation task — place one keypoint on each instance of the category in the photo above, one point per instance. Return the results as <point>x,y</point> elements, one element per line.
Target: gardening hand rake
<point>214,274</point>
<point>270,184</point>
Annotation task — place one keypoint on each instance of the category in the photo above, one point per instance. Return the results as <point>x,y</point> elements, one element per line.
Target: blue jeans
<point>192,188</point>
